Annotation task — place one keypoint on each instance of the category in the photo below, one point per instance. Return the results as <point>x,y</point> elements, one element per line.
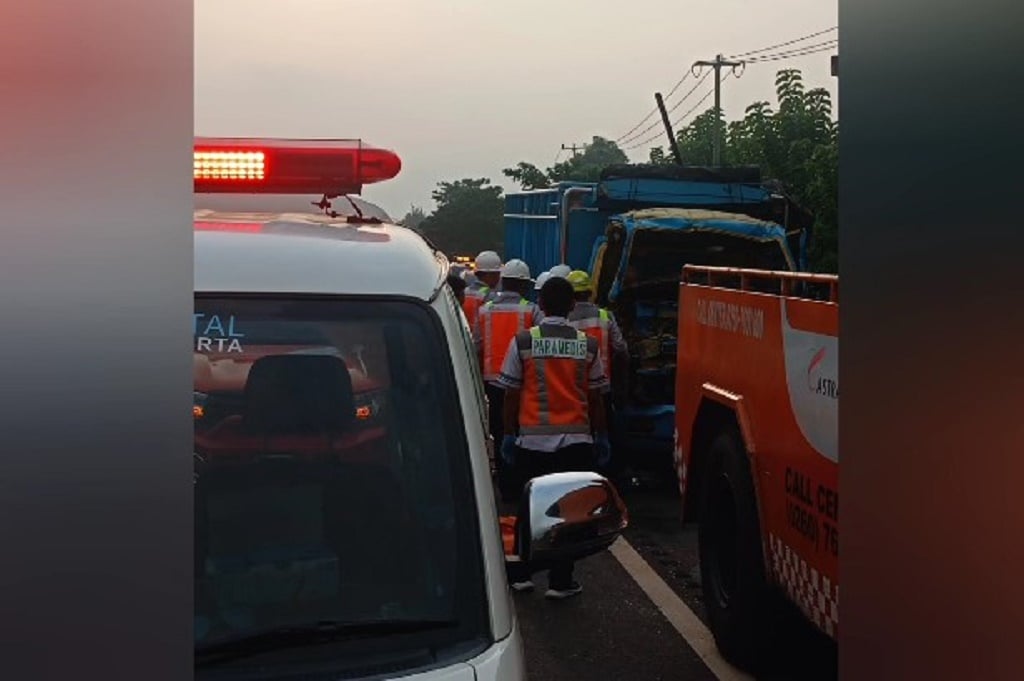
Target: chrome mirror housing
<point>569,516</point>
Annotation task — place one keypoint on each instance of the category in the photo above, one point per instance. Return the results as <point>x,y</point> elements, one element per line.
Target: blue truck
<point>633,230</point>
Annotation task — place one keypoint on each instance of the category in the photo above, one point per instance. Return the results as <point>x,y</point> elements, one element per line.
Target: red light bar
<point>269,166</point>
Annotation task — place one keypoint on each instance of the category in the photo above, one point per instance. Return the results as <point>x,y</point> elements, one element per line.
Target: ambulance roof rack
<point>326,206</point>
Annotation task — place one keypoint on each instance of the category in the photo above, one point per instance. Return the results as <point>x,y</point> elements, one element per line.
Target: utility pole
<point>717,63</point>
<point>574,148</point>
<point>673,143</point>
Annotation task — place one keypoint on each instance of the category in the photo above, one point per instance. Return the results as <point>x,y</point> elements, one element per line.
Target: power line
<point>801,48</point>
<point>676,122</point>
<point>678,83</point>
<point>793,54</point>
<point>789,56</point>
<point>654,110</point>
<point>642,121</point>
<point>788,42</point>
<point>786,54</point>
<point>675,106</point>
<point>682,118</point>
<point>803,51</point>
<point>692,90</point>
<point>633,134</point>
<point>653,125</point>
<point>827,44</point>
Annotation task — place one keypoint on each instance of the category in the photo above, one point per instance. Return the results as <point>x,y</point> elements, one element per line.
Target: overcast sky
<point>464,88</point>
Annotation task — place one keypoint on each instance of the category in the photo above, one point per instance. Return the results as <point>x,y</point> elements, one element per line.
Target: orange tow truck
<point>756,451</point>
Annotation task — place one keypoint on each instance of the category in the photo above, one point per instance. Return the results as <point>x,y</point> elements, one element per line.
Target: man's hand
<point>602,449</point>
<point>508,450</point>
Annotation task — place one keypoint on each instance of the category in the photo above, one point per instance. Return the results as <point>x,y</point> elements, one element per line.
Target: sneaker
<point>573,589</point>
<point>526,585</point>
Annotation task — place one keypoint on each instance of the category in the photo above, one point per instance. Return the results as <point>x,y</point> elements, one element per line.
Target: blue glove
<point>603,450</point>
<point>508,449</point>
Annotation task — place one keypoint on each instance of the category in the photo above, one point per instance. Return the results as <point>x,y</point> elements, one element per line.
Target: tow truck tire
<point>733,580</point>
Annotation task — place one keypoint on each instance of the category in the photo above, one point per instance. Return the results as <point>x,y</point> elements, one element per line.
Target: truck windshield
<point>659,255</point>
<point>332,483</point>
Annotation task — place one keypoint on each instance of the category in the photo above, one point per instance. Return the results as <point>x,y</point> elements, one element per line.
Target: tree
<point>469,217</point>
<point>414,218</point>
<point>585,167</point>
<point>659,157</point>
<point>528,176</point>
<point>697,140</point>
<point>821,194</point>
<point>797,144</point>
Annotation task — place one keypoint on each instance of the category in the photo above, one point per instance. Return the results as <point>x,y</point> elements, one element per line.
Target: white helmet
<point>516,269</point>
<point>488,261</point>
<point>544,276</point>
<point>561,271</point>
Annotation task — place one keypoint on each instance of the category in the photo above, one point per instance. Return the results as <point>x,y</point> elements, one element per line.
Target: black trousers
<point>496,424</point>
<point>610,469</point>
<point>495,411</point>
<point>531,464</point>
<point>618,468</point>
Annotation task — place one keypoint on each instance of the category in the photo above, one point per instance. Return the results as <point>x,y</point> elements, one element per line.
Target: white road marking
<point>675,611</point>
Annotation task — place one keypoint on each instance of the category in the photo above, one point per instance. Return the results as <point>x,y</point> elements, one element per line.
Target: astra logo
<point>817,381</point>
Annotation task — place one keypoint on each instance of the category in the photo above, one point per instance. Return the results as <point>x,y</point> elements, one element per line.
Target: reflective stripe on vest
<point>599,328</point>
<point>499,323</point>
<point>554,394</point>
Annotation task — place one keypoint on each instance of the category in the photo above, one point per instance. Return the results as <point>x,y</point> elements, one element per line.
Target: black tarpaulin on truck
<point>649,171</point>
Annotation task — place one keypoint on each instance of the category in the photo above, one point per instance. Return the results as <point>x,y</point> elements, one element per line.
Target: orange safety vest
<point>500,321</point>
<point>597,326</point>
<point>556,360</point>
<point>475,297</point>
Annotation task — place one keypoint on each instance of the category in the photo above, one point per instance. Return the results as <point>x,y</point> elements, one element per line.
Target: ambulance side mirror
<point>568,516</point>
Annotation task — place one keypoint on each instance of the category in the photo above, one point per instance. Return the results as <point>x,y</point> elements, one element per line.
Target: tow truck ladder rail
<point>711,276</point>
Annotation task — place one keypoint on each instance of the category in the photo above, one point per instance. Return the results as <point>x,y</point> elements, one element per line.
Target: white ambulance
<point>345,523</point>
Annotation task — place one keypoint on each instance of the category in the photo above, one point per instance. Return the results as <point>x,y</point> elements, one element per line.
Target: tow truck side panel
<point>769,363</point>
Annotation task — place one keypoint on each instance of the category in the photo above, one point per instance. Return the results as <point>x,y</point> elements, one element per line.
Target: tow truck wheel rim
<point>723,557</point>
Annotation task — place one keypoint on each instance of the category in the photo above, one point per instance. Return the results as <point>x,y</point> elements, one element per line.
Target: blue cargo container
<point>533,225</point>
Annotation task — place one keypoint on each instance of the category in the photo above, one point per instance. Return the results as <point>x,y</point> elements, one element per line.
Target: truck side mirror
<point>568,516</point>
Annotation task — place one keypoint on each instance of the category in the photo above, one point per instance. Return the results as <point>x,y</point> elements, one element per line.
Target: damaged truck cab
<point>637,273</point>
<point>634,230</point>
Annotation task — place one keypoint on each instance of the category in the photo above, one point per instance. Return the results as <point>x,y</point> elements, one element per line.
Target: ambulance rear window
<point>333,477</point>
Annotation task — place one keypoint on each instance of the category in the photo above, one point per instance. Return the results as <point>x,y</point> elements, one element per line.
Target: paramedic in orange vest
<point>483,285</point>
<point>499,320</point>
<point>600,324</point>
<point>554,418</point>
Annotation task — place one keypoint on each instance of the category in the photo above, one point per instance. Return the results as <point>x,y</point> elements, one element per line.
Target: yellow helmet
<point>580,281</point>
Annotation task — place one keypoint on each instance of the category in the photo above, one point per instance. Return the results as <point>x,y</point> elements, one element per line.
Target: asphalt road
<point>610,631</point>
<point>614,631</point>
